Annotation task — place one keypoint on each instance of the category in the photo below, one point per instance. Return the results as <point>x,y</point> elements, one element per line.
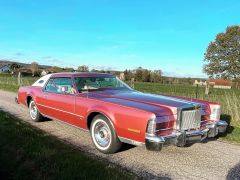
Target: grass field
<point>41,156</point>
<point>10,83</point>
<point>228,98</point>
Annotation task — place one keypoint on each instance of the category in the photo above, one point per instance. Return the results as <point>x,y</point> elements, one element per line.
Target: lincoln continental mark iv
<point>114,113</point>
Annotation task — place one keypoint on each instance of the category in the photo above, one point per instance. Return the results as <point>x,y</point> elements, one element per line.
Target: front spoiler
<point>181,138</point>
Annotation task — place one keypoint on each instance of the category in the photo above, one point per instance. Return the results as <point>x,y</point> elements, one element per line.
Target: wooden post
<point>207,89</point>
<point>132,82</point>
<point>19,79</point>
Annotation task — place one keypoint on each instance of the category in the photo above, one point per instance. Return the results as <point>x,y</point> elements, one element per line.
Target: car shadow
<point>46,119</point>
<point>126,147</point>
<point>234,173</point>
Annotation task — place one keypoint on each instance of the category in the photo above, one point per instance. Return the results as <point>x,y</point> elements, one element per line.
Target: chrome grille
<point>190,119</point>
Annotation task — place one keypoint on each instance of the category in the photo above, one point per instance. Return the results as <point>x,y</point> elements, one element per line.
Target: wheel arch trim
<point>96,112</point>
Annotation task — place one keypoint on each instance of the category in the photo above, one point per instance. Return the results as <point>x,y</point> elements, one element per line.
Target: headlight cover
<point>156,124</point>
<point>215,112</point>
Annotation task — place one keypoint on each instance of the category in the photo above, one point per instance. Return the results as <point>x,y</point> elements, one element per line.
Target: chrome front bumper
<point>217,127</point>
<point>181,138</point>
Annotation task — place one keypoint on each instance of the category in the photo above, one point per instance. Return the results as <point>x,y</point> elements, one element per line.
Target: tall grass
<point>9,82</point>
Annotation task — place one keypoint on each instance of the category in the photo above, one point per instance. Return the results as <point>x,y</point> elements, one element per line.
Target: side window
<point>60,85</point>
<point>51,87</point>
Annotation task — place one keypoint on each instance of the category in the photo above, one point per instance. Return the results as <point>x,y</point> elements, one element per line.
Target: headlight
<point>151,127</point>
<point>215,112</point>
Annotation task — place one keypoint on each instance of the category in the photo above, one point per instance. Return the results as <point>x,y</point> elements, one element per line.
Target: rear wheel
<point>34,113</point>
<point>103,135</point>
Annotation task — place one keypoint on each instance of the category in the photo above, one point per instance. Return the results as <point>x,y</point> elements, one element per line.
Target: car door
<point>58,100</point>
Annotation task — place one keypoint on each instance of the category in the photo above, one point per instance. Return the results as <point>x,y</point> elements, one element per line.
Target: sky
<point>115,34</point>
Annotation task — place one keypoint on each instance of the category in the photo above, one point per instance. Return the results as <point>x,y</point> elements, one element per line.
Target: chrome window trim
<point>73,85</point>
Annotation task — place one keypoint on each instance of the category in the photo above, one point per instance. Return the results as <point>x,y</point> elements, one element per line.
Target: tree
<point>128,75</point>
<point>138,74</point>
<point>56,69</point>
<point>67,69</point>
<point>14,67</point>
<point>83,68</point>
<point>223,55</point>
<point>156,76</point>
<point>146,75</point>
<point>34,68</point>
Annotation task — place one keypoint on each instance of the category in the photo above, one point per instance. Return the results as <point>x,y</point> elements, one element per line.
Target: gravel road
<point>207,160</point>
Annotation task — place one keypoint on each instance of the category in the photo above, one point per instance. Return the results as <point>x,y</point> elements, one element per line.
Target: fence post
<point>19,79</point>
<point>207,89</point>
<point>132,82</point>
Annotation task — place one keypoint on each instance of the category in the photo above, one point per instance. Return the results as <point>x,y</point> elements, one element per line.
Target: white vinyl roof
<point>42,81</point>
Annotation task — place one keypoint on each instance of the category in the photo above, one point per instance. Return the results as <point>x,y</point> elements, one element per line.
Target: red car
<point>114,113</point>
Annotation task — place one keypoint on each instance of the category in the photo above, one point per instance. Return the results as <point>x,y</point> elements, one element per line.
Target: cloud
<point>19,54</point>
<point>47,57</point>
<point>106,68</point>
<point>182,75</point>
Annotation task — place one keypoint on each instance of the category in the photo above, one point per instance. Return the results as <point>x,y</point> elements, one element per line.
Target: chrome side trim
<point>129,141</point>
<point>156,139</point>
<point>164,129</point>
<point>222,123</point>
<point>50,117</point>
<point>81,117</point>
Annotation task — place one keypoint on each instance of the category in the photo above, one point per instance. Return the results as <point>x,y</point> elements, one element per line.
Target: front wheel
<point>103,135</point>
<point>34,113</point>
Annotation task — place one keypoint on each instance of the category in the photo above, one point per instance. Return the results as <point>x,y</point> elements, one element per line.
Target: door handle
<point>45,95</point>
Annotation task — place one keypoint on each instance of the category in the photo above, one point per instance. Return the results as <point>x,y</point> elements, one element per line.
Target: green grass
<point>29,153</point>
<point>10,83</point>
<point>232,135</point>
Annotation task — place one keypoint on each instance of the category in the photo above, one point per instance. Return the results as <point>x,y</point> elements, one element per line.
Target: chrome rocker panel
<point>155,143</point>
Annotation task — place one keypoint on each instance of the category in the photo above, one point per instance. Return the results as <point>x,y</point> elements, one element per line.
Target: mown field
<point>29,153</point>
<point>228,98</point>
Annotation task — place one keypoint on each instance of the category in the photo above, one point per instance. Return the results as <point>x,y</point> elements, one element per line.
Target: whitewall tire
<point>103,135</point>
<point>34,113</point>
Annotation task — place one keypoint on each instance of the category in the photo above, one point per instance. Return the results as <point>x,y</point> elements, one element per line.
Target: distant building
<point>44,72</point>
<point>4,69</point>
<point>200,83</point>
<point>220,83</point>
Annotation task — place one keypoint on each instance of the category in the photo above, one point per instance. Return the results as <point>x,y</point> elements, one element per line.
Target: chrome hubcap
<point>33,110</point>
<point>102,134</point>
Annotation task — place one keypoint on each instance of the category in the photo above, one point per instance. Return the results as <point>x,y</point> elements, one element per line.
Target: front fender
<point>129,123</point>
<point>102,110</point>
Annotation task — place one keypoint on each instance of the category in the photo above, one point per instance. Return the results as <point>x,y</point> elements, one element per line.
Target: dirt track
<point>208,160</point>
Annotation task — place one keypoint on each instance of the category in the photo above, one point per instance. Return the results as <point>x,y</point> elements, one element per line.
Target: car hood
<point>158,104</point>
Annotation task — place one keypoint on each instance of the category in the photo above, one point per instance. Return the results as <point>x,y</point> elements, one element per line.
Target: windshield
<point>96,83</point>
